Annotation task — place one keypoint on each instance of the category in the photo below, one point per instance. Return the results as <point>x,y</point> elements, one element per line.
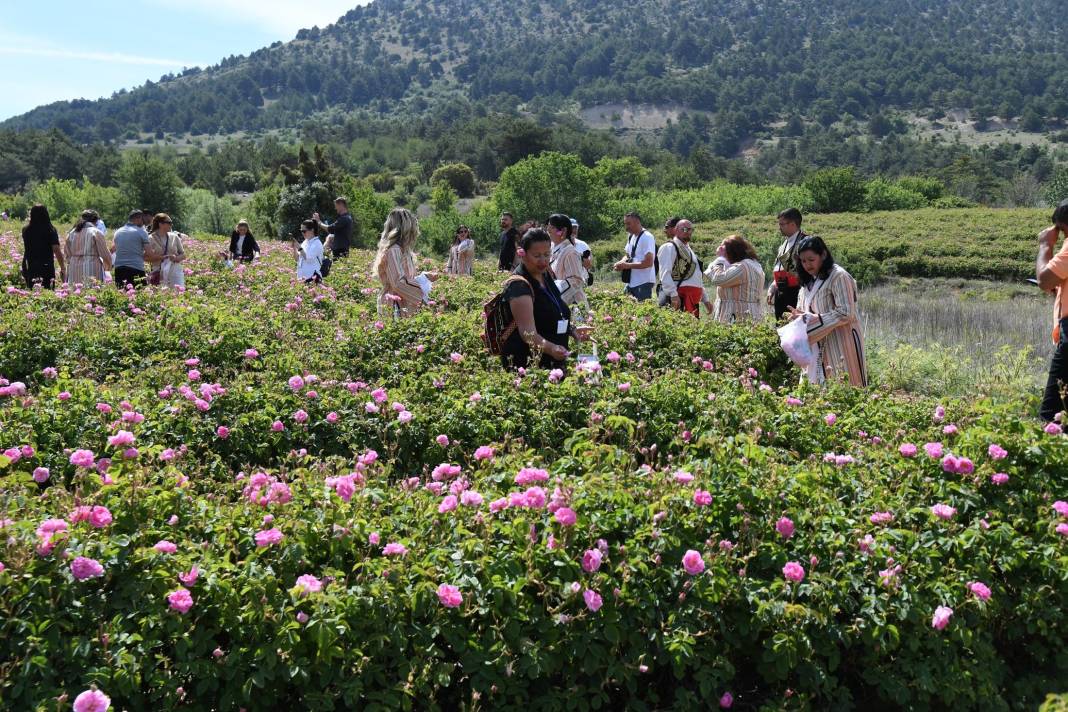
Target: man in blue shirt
<point>129,246</point>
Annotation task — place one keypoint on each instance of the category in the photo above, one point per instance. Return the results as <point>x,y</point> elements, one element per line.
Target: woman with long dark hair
<point>41,250</point>
<point>566,263</point>
<point>461,253</point>
<point>828,304</point>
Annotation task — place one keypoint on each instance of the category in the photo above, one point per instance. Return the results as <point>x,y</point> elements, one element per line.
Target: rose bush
<point>701,536</point>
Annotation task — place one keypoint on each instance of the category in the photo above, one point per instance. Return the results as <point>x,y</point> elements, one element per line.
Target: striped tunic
<point>461,258</point>
<point>566,265</point>
<point>397,275</point>
<point>739,290</point>
<point>85,251</point>
<point>834,329</point>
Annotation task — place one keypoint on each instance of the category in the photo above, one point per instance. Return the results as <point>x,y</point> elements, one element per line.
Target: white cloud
<point>108,57</point>
<point>282,17</point>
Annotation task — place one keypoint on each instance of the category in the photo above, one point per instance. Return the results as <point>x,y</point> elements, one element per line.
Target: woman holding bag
<point>86,251</point>
<point>828,305</point>
<point>166,253</point>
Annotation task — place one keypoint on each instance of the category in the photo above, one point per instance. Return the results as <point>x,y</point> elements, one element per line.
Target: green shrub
<point>458,176</point>
<point>883,195</point>
<point>534,188</point>
<point>835,190</point>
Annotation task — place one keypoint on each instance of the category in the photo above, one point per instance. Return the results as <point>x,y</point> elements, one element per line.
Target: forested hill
<point>749,62</point>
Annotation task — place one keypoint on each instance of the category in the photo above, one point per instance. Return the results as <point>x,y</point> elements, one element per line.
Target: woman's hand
<point>556,351</point>
<point>721,251</point>
<point>795,313</point>
<point>583,333</point>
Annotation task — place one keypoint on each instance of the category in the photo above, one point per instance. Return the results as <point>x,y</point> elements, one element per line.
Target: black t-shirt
<point>507,257</point>
<point>37,241</point>
<point>342,232</point>
<point>549,309</point>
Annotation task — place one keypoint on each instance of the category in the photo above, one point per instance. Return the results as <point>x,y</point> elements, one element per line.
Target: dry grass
<point>960,337</point>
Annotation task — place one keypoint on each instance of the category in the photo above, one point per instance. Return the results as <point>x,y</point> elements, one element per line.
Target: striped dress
<point>833,324</point>
<point>739,290</point>
<point>461,258</point>
<point>85,251</point>
<point>397,275</point>
<point>566,265</point>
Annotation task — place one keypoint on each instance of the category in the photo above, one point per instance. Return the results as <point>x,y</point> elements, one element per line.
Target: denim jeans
<point>1053,401</point>
<point>641,292</point>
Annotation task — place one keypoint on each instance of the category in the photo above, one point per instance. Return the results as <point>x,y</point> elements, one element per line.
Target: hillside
<point>749,64</point>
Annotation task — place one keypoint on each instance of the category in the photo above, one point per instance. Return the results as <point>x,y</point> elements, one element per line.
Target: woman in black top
<point>42,250</point>
<point>243,246</point>
<point>543,321</point>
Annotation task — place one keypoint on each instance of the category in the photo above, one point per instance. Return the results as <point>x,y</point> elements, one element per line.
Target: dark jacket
<point>507,260</point>
<point>248,247</point>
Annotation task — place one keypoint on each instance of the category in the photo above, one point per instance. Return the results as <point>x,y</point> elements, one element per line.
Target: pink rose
<point>165,547</point>
<point>404,417</point>
<point>785,527</point>
<point>300,417</point>
<point>41,475</point>
<point>189,577</point>
<point>447,505</point>
<point>251,353</point>
<point>99,517</point>
<point>702,498</point>
<point>308,584</point>
<point>442,440</point>
<point>222,432</point>
<point>882,518</point>
<point>92,701</point>
<point>943,511</point>
<point>484,452</point>
<point>980,590</point>
<point>180,600</point>
<point>933,450</point>
<point>566,516</point>
<point>726,701</point>
<point>941,617</point>
<point>450,596</point>
<point>296,383</point>
<point>999,478</point>
<point>794,572</point>
<point>470,498</point>
<point>278,426</point>
<point>692,562</point>
<point>593,600</point>
<point>1061,508</point>
<point>394,549</point>
<point>830,419</point>
<point>268,537</point>
<point>996,452</point>
<point>591,560</point>
<point>907,450</point>
<point>84,568</point>
<point>82,458</point>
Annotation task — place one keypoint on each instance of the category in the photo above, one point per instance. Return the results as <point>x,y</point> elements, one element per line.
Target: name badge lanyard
<point>561,323</point>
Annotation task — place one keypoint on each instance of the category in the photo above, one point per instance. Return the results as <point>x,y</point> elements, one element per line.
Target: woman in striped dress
<point>738,277</point>
<point>828,304</point>
<point>401,295</point>
<point>86,251</point>
<point>461,253</point>
<point>565,262</point>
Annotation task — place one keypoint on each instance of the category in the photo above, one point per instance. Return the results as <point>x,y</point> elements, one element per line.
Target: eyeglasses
<point>684,229</point>
<point>166,222</point>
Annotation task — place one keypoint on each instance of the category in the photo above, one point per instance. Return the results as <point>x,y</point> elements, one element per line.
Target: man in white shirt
<point>680,271</point>
<point>636,266</point>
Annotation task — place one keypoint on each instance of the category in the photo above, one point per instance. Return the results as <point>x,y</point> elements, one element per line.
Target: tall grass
<point>963,337</point>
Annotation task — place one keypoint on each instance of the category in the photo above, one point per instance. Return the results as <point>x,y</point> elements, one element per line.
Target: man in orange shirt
<point>1051,271</point>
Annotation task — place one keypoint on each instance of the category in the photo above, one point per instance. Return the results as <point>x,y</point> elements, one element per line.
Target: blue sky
<point>52,50</point>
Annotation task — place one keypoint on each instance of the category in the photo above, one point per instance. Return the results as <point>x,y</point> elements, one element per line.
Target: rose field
<point>253,494</point>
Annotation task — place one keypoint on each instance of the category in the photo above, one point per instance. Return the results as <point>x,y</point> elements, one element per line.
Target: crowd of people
<point>550,269</point>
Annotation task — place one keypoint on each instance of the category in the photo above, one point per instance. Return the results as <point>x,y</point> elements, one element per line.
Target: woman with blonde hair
<point>167,253</point>
<point>461,253</point>
<point>402,291</point>
<point>86,251</point>
<point>738,277</point>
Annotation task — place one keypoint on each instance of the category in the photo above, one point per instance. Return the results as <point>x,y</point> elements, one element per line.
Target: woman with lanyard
<point>565,261</point>
<point>543,319</point>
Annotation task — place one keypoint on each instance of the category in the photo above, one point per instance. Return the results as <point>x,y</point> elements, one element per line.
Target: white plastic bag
<point>793,337</point>
<point>172,273</point>
<point>424,284</point>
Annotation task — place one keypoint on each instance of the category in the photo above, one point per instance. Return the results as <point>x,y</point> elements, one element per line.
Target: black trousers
<point>785,297</point>
<point>128,275</point>
<point>1054,400</point>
